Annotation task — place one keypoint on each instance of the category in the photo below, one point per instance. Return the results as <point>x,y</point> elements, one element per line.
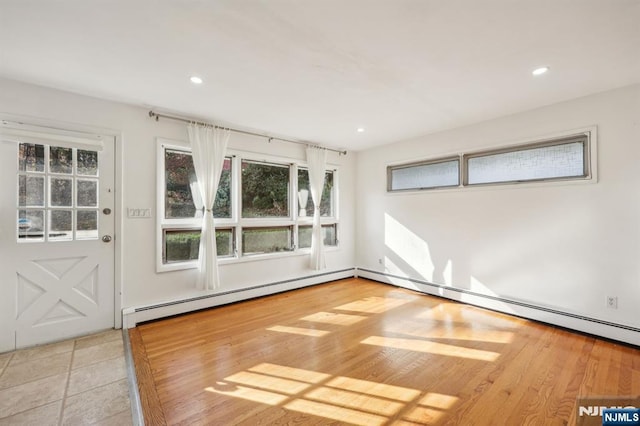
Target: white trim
<point>19,132</point>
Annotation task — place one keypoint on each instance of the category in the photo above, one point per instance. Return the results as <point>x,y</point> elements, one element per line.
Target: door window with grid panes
<point>58,191</point>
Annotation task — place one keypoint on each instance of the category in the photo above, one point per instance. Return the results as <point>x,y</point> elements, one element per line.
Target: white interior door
<point>56,236</point>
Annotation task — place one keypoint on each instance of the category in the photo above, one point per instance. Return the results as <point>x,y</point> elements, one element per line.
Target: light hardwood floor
<point>359,352</point>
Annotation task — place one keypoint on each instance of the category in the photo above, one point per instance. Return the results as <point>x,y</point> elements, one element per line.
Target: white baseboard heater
<point>135,315</point>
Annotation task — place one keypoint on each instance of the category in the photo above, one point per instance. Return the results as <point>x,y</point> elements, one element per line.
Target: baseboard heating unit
<point>135,315</point>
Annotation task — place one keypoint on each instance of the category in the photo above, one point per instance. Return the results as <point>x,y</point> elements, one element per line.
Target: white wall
<point>140,283</point>
<point>564,246</point>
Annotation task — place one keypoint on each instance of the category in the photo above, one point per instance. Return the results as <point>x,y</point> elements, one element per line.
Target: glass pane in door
<point>60,225</point>
<point>86,224</point>
<point>60,160</point>
<point>30,224</point>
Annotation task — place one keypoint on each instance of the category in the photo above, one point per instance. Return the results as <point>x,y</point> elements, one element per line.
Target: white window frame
<point>237,222</point>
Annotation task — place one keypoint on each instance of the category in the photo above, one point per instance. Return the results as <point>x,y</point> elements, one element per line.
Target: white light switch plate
<point>136,213</point>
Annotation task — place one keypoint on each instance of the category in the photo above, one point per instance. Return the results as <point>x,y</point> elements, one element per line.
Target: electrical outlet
<point>380,261</point>
<point>612,302</point>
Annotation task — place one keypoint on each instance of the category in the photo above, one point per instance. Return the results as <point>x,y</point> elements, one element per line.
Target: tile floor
<point>76,382</point>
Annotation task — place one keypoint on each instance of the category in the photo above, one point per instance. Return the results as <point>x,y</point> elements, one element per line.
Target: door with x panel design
<point>56,236</point>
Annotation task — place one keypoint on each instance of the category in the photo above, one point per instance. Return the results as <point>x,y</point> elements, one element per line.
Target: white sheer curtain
<point>317,162</point>
<point>208,145</point>
<point>196,197</point>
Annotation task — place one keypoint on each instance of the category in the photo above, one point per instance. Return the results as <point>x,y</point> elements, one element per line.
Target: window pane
<point>265,190</point>
<point>60,192</point>
<point>266,240</point>
<point>60,160</point>
<point>557,161</point>
<point>31,224</point>
<point>60,225</point>
<point>184,245</point>
<point>30,157</point>
<point>30,191</point>
<point>86,224</point>
<point>328,233</point>
<point>179,173</point>
<point>306,208</point>
<point>87,193</point>
<point>87,162</point>
<point>181,246</point>
<point>222,205</point>
<point>224,242</point>
<point>182,199</point>
<point>422,176</point>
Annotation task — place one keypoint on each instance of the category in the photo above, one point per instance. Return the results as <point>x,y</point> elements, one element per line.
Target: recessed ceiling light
<point>196,80</point>
<point>360,129</point>
<point>540,71</point>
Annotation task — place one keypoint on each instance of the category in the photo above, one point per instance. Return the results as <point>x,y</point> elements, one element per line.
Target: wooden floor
<point>359,352</point>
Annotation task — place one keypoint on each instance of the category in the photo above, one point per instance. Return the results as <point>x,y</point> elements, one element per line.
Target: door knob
<point>106,238</point>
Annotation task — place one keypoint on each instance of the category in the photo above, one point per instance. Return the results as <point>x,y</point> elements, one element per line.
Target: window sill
<point>179,266</point>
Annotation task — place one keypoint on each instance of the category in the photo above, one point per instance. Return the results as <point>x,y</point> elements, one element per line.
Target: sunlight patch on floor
<point>439,400</point>
<point>372,388</point>
<point>292,373</point>
<point>431,347</point>
<point>373,305</point>
<point>342,399</point>
<point>250,394</point>
<point>267,382</point>
<point>336,319</point>
<point>333,412</point>
<point>311,332</point>
<point>354,400</point>
<point>457,333</point>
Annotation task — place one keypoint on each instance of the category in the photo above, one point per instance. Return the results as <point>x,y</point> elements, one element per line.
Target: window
<point>304,194</point>
<point>183,245</point>
<point>424,175</point>
<point>328,219</point>
<point>265,190</point>
<point>256,211</point>
<point>552,160</point>
<point>564,158</point>
<point>329,235</point>
<point>267,240</point>
<point>57,193</point>
<point>182,198</point>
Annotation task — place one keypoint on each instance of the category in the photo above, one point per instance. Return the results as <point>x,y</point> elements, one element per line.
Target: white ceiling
<point>317,70</point>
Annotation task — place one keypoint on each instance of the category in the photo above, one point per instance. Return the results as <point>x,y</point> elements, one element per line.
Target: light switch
<point>137,213</point>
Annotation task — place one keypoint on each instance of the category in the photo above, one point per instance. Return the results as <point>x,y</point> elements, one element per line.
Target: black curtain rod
<point>158,116</point>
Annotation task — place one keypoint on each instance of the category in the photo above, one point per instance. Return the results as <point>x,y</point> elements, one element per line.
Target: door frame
<point>57,126</point>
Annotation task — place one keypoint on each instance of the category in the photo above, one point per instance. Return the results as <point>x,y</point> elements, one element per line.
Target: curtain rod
<point>158,116</point>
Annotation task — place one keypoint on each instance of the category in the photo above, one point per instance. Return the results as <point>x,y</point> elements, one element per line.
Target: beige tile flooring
<point>76,382</point>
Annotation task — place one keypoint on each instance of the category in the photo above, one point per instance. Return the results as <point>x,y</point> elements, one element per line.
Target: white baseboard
<point>134,315</point>
<point>594,326</point>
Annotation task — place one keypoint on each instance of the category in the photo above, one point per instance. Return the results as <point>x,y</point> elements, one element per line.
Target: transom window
<point>262,208</point>
<point>563,158</point>
<point>57,193</point>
